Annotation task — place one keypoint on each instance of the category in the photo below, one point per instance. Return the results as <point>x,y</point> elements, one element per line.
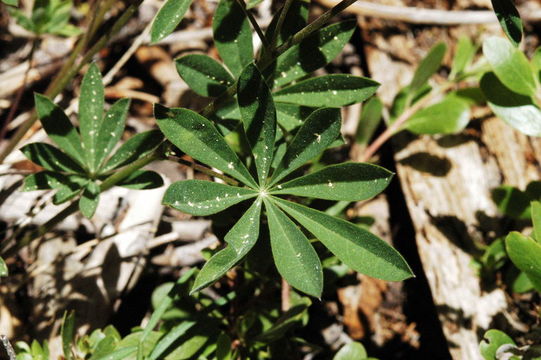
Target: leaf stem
<point>204,170</point>
<point>254,23</point>
<point>401,120</point>
<point>279,24</point>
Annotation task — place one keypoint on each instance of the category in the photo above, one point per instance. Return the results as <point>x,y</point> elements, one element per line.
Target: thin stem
<point>205,170</point>
<point>279,24</point>
<point>68,72</point>
<point>285,295</point>
<point>254,23</point>
<point>401,120</point>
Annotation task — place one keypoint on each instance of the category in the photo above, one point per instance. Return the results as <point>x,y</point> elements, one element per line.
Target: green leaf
<point>353,350</point>
<point>319,130</point>
<point>58,127</point>
<point>204,75</point>
<point>110,130</point>
<point>122,353</point>
<point>291,116</point>
<point>232,36</point>
<point>333,90</point>
<point>50,158</point>
<point>170,338</point>
<point>536,64</point>
<point>223,347</point>
<point>428,67</point>
<point>138,146</point>
<point>67,332</point>
<point>142,180</point>
<point>201,198</point>
<point>525,253</point>
<point>518,111</point>
<point>168,18</point>
<point>259,118</point>
<point>240,239</point>
<point>511,201</point>
<point>191,342</point>
<point>91,113</point>
<point>71,186</point>
<point>536,220</point>
<point>11,2</point>
<point>371,117</point>
<point>199,138</point>
<point>509,19</point>
<point>312,53</point>
<point>492,341</point>
<point>89,200</point>
<point>510,65</point>
<point>354,246</point>
<point>295,258</point>
<point>347,181</point>
<point>465,51</point>
<point>295,20</point>
<point>3,268</point>
<point>449,116</point>
<point>294,316</point>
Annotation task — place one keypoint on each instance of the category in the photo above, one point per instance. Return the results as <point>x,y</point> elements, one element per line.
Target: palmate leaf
<point>240,240</point>
<point>259,118</point>
<point>294,256</point>
<point>232,36</point>
<point>525,253</point>
<point>199,138</point>
<point>291,116</point>
<point>91,114</point>
<point>139,145</point>
<point>519,111</point>
<point>44,180</point>
<point>72,187</point>
<point>50,158</point>
<point>319,130</point>
<point>200,197</point>
<point>312,53</point>
<point>110,131</point>
<point>509,19</point>
<point>59,128</point>
<point>204,75</point>
<point>333,90</point>
<point>510,65</point>
<point>142,180</point>
<point>357,248</point>
<point>168,18</point>
<point>347,181</point>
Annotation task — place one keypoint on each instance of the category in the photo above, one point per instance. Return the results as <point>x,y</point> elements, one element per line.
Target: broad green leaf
<point>201,198</point>
<point>353,350</point>
<point>223,347</point>
<point>139,145</point>
<point>346,181</point>
<point>428,67</point>
<point>89,199</point>
<point>142,180</point>
<point>43,180</point>
<point>510,65</point>
<point>319,130</point>
<point>191,342</point>
<point>519,111</point>
<point>122,353</point>
<point>110,130</point>
<point>91,113</point>
<point>259,118</point>
<point>168,18</point>
<point>170,338</point>
<point>465,51</point>
<point>536,64</point>
<point>294,256</point>
<point>11,2</point>
<point>232,36</point>
<point>519,283</point>
<point>133,340</point>
<point>50,158</point>
<point>291,116</point>
<point>295,20</point>
<point>67,333</point>
<point>509,19</point>
<point>3,268</point>
<point>203,74</point>
<point>525,253</point>
<point>371,116</point>
<point>58,127</point>
<point>312,53</point>
<point>293,317</point>
<point>199,138</point>
<point>240,239</point>
<point>354,246</point>
<point>536,220</point>
<point>492,341</point>
<point>333,90</point>
<point>449,116</point>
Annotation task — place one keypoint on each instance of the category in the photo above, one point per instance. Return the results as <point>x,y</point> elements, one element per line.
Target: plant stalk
<point>254,23</point>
